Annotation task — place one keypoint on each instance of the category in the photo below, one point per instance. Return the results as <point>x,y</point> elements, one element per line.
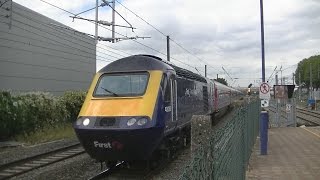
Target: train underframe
<point>166,150</point>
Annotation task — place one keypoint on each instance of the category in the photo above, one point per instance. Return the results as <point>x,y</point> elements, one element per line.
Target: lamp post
<point>262,41</point>
<point>264,116</point>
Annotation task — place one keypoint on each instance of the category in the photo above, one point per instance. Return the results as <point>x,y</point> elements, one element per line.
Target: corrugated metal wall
<point>37,55</point>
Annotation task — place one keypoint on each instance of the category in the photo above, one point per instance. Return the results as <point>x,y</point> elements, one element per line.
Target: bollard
<point>264,119</point>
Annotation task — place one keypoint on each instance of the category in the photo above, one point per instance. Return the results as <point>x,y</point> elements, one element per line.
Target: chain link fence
<point>283,112</point>
<point>227,153</point>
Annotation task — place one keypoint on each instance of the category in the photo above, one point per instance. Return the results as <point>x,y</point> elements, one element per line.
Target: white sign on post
<point>288,108</point>
<point>264,91</point>
<point>265,103</point>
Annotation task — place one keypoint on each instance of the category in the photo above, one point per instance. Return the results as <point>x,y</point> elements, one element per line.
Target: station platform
<point>293,153</point>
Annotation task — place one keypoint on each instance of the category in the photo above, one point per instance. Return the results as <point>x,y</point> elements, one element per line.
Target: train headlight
<point>86,122</point>
<point>142,121</point>
<point>131,121</point>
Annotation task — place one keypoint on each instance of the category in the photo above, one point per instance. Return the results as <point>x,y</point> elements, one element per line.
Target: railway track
<point>140,170</point>
<point>22,166</point>
<point>303,114</point>
<point>311,116</point>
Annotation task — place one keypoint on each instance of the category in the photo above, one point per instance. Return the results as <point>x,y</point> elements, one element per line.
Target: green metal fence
<point>227,153</point>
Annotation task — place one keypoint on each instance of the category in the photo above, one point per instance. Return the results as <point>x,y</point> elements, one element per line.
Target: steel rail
<point>22,166</point>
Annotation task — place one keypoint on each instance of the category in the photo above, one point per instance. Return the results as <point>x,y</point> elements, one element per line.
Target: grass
<point>63,131</point>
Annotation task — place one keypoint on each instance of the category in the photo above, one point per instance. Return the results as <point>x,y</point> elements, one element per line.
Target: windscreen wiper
<point>109,91</point>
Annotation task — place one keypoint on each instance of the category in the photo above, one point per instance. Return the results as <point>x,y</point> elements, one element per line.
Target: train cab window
<point>122,84</point>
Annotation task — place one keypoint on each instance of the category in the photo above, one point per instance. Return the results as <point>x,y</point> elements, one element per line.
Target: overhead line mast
<point>113,19</point>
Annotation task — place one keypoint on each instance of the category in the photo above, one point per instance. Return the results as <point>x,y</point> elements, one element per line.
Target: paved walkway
<point>293,154</point>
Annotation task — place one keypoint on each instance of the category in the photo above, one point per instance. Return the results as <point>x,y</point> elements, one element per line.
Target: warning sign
<point>264,91</point>
<point>264,103</point>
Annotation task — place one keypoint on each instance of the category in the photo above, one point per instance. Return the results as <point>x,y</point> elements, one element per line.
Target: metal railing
<point>227,153</point>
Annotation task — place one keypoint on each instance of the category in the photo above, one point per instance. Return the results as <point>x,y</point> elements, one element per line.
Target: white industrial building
<point>40,54</point>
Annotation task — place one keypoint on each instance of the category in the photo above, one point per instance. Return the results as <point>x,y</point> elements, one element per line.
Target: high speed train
<point>141,104</point>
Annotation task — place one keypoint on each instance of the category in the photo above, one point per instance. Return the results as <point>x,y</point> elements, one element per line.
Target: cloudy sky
<point>215,33</point>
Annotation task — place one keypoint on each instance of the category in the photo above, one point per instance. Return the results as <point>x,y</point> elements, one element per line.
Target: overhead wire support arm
<point>99,37</point>
<point>120,39</point>
<point>106,23</point>
<point>108,4</point>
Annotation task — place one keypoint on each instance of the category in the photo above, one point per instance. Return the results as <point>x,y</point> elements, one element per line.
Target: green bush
<point>29,112</point>
<point>73,101</point>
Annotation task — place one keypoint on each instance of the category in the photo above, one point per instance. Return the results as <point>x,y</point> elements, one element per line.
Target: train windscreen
<point>122,84</point>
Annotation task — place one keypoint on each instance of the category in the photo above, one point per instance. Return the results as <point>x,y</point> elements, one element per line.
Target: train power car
<point>140,103</point>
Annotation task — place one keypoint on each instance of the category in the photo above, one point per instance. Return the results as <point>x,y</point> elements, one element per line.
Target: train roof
<point>136,63</point>
<point>148,62</point>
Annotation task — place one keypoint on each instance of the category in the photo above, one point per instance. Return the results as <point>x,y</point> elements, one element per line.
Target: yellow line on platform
<point>311,132</point>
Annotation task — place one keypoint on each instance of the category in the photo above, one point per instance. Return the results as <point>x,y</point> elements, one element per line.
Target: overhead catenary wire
<point>123,36</point>
<point>108,4</point>
<point>272,73</point>
<point>1,4</point>
<point>191,53</point>
<point>164,34</point>
<point>56,35</point>
<point>150,48</point>
<point>141,18</point>
<point>57,7</point>
<point>92,22</point>
<point>101,22</point>
<point>37,65</point>
<point>114,49</point>
<point>101,5</point>
<point>62,57</point>
<point>44,47</point>
<point>31,44</point>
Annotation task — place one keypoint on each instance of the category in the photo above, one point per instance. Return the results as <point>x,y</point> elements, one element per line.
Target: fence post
<point>264,118</point>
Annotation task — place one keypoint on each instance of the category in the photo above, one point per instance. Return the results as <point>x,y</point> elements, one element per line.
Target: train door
<point>174,103</point>
<point>216,98</point>
<point>170,102</point>
<point>211,102</point>
<point>205,99</point>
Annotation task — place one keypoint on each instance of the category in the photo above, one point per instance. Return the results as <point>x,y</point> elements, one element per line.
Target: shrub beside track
<point>29,112</point>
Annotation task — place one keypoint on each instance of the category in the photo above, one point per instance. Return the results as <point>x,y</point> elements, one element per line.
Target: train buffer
<point>293,153</point>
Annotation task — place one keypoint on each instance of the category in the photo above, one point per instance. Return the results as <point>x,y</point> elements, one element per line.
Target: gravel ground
<point>83,167</point>
<point>79,167</point>
<point>10,154</point>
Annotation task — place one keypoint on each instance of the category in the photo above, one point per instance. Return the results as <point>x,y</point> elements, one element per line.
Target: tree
<point>222,81</point>
<point>304,66</point>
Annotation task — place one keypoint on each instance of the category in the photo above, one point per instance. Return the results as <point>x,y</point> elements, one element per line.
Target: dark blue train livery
<point>140,105</point>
